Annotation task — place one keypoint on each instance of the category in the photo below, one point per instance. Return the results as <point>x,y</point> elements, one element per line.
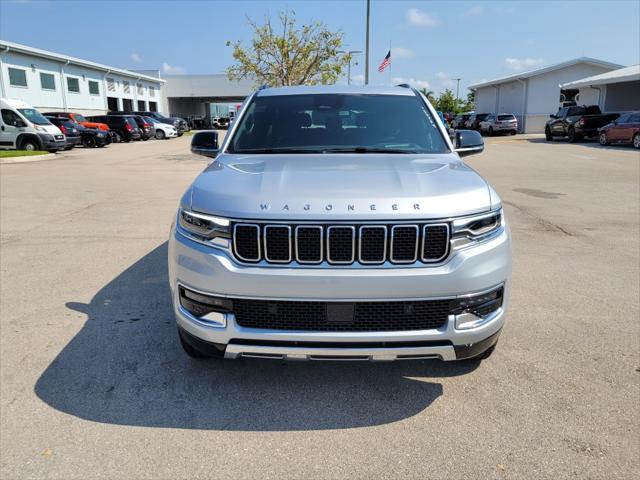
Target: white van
<point>22,127</point>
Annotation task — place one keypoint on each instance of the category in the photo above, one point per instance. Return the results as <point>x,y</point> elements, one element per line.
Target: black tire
<point>636,141</point>
<point>491,131</point>
<point>117,137</point>
<point>101,146</point>
<point>602,138</point>
<point>89,142</point>
<point>513,132</point>
<point>547,135</point>
<point>572,136</point>
<point>160,135</point>
<point>188,349</point>
<point>29,144</point>
<point>126,141</point>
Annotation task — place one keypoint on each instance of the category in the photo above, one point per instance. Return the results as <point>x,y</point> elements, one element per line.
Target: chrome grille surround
<point>424,239</point>
<point>353,244</point>
<point>384,255</point>
<point>265,242</point>
<point>417,243</point>
<point>235,244</point>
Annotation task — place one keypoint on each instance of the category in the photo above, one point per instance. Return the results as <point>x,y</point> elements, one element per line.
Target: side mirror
<point>552,116</point>
<point>468,142</point>
<point>205,143</point>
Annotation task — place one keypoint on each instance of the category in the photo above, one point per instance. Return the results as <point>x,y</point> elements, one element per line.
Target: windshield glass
<point>34,116</point>
<point>506,117</point>
<point>79,118</point>
<point>326,123</point>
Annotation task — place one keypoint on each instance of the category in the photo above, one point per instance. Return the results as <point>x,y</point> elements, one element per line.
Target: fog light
<point>206,308</point>
<point>473,310</point>
<point>467,320</point>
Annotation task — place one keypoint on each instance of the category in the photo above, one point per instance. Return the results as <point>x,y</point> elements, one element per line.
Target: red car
<point>624,129</point>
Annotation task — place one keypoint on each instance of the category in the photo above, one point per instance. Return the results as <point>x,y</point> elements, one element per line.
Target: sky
<point>431,42</point>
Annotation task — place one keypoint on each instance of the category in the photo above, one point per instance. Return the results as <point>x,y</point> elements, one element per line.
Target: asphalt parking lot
<point>94,383</point>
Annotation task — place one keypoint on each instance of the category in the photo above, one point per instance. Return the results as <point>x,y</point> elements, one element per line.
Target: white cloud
<point>411,81</point>
<point>171,70</point>
<point>135,57</point>
<point>423,19</point>
<point>401,52</point>
<point>445,79</point>
<point>474,11</point>
<point>519,64</point>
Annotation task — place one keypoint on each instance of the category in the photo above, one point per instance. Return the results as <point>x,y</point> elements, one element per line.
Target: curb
<point>27,159</point>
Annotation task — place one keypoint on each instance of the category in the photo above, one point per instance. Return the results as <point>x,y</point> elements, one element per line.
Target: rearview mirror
<point>468,142</point>
<point>205,143</point>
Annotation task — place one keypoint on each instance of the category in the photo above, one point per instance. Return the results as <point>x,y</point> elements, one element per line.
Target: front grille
<point>341,244</point>
<point>341,316</point>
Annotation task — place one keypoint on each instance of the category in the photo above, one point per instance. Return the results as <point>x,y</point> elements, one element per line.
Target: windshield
<point>34,116</point>
<point>506,117</point>
<point>327,123</point>
<point>79,118</point>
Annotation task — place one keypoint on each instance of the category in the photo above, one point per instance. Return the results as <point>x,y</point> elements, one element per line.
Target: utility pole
<point>366,61</point>
<point>457,87</point>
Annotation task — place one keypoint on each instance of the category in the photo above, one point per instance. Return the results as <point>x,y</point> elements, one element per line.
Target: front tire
<point>29,145</point>
<point>491,131</point>
<point>602,138</point>
<point>118,137</point>
<point>572,136</point>
<point>547,135</point>
<point>160,135</point>
<point>89,142</point>
<point>636,141</point>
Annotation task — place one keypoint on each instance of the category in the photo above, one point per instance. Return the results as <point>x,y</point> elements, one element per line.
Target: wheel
<point>513,132</point>
<point>68,148</point>
<point>636,141</point>
<point>89,142</point>
<point>29,145</point>
<point>160,134</point>
<point>571,135</point>
<point>491,131</point>
<point>547,135</point>
<point>126,141</point>
<point>101,146</point>
<point>118,137</point>
<point>604,141</point>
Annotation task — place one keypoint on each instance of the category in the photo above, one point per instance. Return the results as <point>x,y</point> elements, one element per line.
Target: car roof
<point>334,89</point>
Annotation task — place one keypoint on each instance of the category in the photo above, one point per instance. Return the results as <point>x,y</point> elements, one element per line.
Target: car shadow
<point>126,367</point>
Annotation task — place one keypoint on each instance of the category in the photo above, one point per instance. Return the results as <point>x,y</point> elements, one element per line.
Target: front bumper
<point>51,143</point>
<point>214,272</point>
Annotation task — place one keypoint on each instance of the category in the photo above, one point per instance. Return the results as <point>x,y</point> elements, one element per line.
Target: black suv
<point>70,129</point>
<point>124,127</point>
<point>146,129</point>
<point>474,121</point>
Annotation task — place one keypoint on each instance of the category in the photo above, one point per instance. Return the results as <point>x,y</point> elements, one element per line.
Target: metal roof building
<point>54,81</point>
<point>614,91</point>
<point>531,96</point>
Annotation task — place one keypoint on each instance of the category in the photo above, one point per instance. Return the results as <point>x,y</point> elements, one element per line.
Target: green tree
<point>447,102</point>
<point>470,104</point>
<point>306,55</point>
<point>430,94</point>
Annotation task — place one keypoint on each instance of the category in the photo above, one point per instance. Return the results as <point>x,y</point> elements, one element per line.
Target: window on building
<point>73,85</point>
<point>127,104</point>
<point>17,77</point>
<point>112,104</point>
<point>127,86</point>
<point>140,89</point>
<point>94,88</point>
<point>141,106</point>
<point>111,85</point>
<point>152,92</point>
<point>47,81</point>
<point>153,107</point>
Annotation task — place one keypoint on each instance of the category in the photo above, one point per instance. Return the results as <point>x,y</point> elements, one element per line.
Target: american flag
<point>386,62</point>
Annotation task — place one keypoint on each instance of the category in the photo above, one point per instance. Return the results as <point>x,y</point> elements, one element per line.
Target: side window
<point>623,118</point>
<point>94,87</point>
<point>9,117</point>
<point>635,118</point>
<point>47,81</point>
<point>73,85</point>
<point>17,77</point>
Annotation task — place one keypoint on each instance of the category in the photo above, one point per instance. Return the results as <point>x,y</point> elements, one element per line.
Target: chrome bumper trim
<point>444,352</point>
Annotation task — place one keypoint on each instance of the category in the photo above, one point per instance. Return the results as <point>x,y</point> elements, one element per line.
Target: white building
<point>52,81</point>
<point>615,91</point>
<point>532,96</point>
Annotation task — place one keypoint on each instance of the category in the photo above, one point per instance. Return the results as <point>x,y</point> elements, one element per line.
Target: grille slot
<point>404,243</point>
<point>435,242</point>
<point>277,243</point>
<point>318,316</point>
<point>373,244</point>
<point>246,242</point>
<point>309,244</point>
<point>341,244</point>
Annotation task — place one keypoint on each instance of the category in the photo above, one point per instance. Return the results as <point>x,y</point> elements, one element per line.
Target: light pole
<point>349,53</point>
<point>457,87</point>
<point>366,60</point>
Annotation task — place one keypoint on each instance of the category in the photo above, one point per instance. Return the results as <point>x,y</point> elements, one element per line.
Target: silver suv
<point>339,223</point>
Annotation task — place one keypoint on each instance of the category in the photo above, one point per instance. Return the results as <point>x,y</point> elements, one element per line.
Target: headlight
<point>471,230</point>
<point>39,129</point>
<point>205,228</point>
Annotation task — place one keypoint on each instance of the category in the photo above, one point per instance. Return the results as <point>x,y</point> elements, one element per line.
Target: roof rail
<point>263,86</point>
<point>404,85</point>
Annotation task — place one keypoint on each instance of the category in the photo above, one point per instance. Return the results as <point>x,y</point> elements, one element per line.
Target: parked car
<point>458,122</point>
<point>577,123</point>
<point>22,127</point>
<point>79,119</point>
<point>501,123</point>
<point>124,127</point>
<point>162,130</point>
<point>180,124</point>
<point>69,128</point>
<point>93,137</point>
<point>473,123</point>
<point>624,129</point>
<point>147,129</point>
<point>221,123</point>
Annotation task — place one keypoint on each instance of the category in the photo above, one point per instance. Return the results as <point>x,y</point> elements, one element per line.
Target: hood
<point>52,129</point>
<point>339,187</point>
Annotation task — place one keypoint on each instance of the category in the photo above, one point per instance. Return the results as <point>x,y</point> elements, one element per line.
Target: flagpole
<point>390,57</point>
<point>366,61</point>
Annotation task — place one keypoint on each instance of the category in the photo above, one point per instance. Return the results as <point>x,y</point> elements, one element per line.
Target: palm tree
<point>430,94</point>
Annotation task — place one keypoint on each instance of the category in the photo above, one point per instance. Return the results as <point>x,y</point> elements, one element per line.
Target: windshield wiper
<point>366,150</point>
<point>276,150</point>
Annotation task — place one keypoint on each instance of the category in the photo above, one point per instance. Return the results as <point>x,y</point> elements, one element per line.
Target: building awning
<point>628,74</point>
